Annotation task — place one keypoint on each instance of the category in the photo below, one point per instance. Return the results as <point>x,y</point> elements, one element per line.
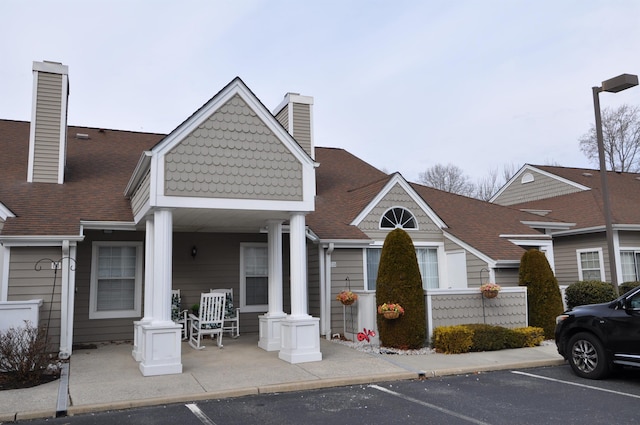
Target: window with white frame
<point>398,217</point>
<point>254,277</point>
<point>116,280</point>
<point>630,263</point>
<point>590,264</point>
<point>427,262</point>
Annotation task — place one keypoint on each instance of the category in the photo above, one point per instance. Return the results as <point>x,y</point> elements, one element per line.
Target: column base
<point>300,340</point>
<point>161,349</point>
<point>270,339</point>
<point>137,338</point>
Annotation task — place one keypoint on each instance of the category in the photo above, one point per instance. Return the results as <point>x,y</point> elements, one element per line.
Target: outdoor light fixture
<point>613,85</point>
<point>194,252</point>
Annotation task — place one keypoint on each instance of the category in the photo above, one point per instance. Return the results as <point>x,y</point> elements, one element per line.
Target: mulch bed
<point>9,380</point>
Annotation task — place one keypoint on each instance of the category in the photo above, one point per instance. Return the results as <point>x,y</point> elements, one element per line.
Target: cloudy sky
<point>402,84</point>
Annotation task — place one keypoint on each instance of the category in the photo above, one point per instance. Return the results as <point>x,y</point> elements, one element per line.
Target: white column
<point>161,338</point>
<point>67,298</point>
<point>269,325</point>
<point>148,291</point>
<point>298,266</point>
<point>300,332</point>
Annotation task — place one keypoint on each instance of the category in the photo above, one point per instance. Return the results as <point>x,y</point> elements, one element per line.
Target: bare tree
<point>621,139</point>
<point>449,178</point>
<point>496,178</point>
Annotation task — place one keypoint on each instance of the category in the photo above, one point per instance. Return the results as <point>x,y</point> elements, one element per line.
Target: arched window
<point>398,217</point>
<point>527,178</point>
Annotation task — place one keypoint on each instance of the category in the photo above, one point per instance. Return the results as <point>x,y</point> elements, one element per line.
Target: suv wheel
<point>587,357</point>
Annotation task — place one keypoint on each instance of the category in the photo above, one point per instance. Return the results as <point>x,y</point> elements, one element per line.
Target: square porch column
<point>300,332</point>
<point>160,338</point>
<point>148,292</point>
<point>270,322</point>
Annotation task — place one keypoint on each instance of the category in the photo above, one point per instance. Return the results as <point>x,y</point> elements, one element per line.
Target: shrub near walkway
<point>480,337</point>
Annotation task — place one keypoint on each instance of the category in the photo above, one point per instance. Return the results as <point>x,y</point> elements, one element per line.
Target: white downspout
<point>326,318</point>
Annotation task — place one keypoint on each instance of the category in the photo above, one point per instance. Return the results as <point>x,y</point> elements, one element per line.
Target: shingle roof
<point>586,208</point>
<point>346,185</point>
<point>96,174</point>
<point>98,170</point>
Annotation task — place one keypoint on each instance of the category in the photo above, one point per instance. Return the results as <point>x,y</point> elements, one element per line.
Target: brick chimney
<point>48,132</point>
<point>295,113</point>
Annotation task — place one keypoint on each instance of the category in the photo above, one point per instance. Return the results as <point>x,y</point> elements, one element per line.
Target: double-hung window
<point>116,280</point>
<point>254,277</point>
<point>630,262</point>
<point>427,262</point>
<point>590,264</point>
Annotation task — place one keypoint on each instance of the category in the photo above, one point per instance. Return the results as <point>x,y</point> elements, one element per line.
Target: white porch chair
<point>209,320</point>
<point>231,315</point>
<point>179,316</point>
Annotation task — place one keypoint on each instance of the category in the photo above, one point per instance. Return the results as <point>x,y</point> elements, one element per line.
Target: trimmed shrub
<point>588,292</point>
<point>627,286</point>
<point>452,339</point>
<point>488,337</point>
<point>543,292</point>
<point>399,282</point>
<point>480,337</point>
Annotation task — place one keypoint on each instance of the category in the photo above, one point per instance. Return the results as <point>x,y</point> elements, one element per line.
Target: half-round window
<point>398,217</point>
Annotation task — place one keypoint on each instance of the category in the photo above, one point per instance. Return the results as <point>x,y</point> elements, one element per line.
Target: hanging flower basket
<point>490,290</point>
<point>347,297</point>
<point>390,311</point>
<point>391,315</point>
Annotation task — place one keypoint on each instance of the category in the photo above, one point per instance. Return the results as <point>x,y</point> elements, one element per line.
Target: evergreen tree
<point>399,281</point>
<point>543,292</point>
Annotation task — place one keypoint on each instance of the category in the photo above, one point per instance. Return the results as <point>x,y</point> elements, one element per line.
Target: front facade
<point>102,225</point>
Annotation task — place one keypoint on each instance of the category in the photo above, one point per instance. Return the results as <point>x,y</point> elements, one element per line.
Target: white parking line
<point>429,405</point>
<point>576,384</point>
<point>200,414</point>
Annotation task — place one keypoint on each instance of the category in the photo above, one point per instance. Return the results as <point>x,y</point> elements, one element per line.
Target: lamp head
<point>619,83</point>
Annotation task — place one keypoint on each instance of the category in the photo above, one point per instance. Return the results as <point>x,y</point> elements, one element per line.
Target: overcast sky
<point>402,84</point>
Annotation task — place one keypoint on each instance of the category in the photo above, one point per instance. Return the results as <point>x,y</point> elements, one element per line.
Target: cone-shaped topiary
<point>543,293</point>
<point>399,282</point>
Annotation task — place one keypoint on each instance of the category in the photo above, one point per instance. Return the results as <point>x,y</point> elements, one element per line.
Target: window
<point>398,217</point>
<point>254,277</point>
<point>527,178</point>
<point>116,280</point>
<point>630,262</point>
<point>590,264</point>
<point>427,262</point>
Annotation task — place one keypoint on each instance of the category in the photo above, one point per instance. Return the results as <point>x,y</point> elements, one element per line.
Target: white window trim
<point>408,229</point>
<point>261,308</point>
<point>600,259</point>
<point>633,250</point>
<point>93,292</point>
<point>441,261</point>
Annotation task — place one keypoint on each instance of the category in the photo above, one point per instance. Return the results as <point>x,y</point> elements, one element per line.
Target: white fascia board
<point>548,225</point>
<point>507,264</point>
<point>5,212</point>
<point>348,243</point>
<point>523,242</point>
<point>398,179</point>
<point>234,204</point>
<point>528,167</point>
<point>138,174</point>
<point>40,240</point>
<point>108,225</point>
<point>538,237</point>
<point>586,230</point>
<point>490,261</point>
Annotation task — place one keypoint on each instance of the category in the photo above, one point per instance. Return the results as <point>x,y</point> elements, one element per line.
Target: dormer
<point>48,132</point>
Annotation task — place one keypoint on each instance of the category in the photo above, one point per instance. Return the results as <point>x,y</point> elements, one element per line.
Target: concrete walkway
<point>108,378</point>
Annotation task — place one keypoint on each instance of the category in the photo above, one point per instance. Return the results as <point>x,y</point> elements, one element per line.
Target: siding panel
<point>541,187</point>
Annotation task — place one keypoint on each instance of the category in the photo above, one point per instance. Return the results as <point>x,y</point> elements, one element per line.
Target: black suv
<point>597,337</point>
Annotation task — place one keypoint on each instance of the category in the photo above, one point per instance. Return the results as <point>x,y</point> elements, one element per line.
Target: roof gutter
<point>39,240</point>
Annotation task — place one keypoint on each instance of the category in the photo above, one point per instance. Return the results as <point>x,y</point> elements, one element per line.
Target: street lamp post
<point>613,85</point>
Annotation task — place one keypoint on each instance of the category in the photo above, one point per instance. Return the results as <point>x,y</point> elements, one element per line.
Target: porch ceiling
<point>223,221</point>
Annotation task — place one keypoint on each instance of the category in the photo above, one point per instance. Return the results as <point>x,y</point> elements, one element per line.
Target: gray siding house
<point>101,225</point>
<point>573,197</point>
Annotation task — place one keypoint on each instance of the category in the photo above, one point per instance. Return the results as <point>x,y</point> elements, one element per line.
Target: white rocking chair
<point>231,315</point>
<point>179,316</point>
<point>209,321</point>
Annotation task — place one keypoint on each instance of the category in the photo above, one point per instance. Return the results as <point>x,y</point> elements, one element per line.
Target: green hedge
<point>588,292</point>
<point>480,337</point>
